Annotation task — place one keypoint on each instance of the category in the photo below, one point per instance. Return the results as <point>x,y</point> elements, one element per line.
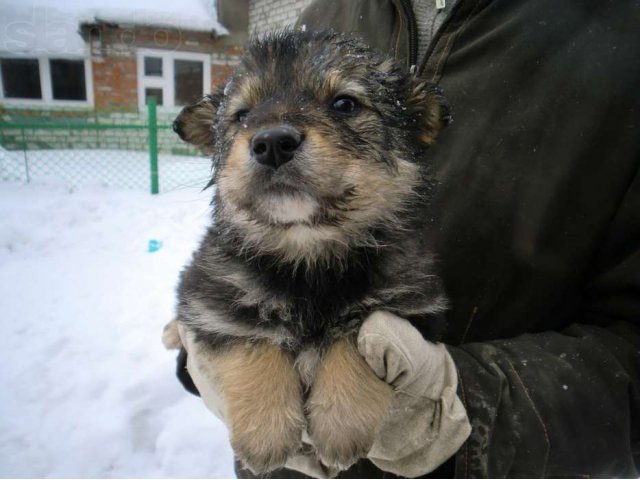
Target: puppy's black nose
<point>275,146</point>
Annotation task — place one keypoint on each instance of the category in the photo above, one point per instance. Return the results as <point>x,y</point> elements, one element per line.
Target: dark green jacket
<point>538,224</point>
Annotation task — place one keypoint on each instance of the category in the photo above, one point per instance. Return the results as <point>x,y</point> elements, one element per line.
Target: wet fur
<point>300,257</point>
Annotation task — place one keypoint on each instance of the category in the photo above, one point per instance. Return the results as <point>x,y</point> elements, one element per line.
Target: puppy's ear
<point>430,108</point>
<point>194,124</point>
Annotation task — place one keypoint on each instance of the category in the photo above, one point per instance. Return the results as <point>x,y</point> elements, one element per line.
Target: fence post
<point>152,122</point>
<point>24,152</point>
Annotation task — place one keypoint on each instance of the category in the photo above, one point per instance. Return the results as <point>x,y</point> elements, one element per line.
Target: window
<point>21,78</point>
<point>153,92</point>
<point>67,79</point>
<point>153,66</point>
<point>188,81</point>
<point>174,78</point>
<point>54,81</point>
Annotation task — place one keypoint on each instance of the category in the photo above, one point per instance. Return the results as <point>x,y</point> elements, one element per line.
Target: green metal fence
<point>136,150</point>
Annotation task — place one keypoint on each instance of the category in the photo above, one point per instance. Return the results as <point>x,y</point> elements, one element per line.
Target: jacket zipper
<point>413,31</point>
<point>439,34</point>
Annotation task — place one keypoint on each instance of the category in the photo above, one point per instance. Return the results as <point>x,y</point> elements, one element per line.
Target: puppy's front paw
<point>266,441</point>
<point>171,336</point>
<point>346,407</point>
<point>264,405</point>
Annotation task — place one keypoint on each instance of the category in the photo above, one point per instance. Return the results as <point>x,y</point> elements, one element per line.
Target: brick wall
<point>115,81</point>
<point>266,15</point>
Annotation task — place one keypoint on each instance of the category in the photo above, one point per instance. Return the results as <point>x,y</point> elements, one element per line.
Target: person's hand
<point>427,423</point>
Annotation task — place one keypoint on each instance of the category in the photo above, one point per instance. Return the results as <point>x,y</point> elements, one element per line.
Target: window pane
<point>21,78</point>
<point>67,79</point>
<point>152,67</point>
<point>188,80</point>
<point>153,92</point>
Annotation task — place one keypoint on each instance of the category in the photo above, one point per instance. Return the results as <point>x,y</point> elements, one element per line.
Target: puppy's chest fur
<point>224,296</point>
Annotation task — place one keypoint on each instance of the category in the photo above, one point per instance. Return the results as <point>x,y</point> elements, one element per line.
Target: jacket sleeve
<point>564,403</point>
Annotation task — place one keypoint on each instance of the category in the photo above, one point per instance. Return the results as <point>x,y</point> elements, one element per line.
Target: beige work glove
<point>427,423</point>
<point>205,382</point>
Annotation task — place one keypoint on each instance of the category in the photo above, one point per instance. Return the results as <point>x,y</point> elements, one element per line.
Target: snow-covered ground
<point>87,389</point>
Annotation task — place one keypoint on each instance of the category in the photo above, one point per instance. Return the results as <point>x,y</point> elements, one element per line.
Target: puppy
<point>322,184</point>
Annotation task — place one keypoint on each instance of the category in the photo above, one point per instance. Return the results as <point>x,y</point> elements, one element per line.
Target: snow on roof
<point>45,27</point>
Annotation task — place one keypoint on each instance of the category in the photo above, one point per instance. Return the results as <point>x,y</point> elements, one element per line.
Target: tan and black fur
<point>300,253</point>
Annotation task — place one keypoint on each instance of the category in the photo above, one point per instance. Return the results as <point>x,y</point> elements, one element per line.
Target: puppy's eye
<point>344,104</point>
<point>241,116</point>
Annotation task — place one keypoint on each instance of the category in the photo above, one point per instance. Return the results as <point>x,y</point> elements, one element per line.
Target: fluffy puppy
<point>319,218</point>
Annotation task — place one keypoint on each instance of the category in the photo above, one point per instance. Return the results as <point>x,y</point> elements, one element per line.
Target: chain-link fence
<point>116,149</point>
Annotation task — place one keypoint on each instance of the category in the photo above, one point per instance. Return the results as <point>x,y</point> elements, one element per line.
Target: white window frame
<point>46,87</point>
<point>167,81</point>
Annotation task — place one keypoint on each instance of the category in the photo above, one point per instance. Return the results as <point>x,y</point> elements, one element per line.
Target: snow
<point>88,389</point>
<point>47,27</point>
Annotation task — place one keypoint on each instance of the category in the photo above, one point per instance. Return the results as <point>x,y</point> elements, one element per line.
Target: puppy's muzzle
<point>275,146</point>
